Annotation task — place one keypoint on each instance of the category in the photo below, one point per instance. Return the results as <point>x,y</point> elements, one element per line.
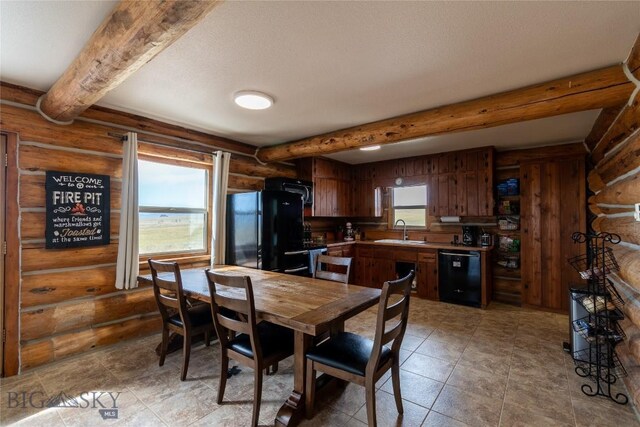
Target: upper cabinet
<point>460,183</point>
<point>331,185</point>
<point>366,199</point>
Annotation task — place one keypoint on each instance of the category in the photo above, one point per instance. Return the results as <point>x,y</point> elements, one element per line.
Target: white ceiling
<point>332,65</point>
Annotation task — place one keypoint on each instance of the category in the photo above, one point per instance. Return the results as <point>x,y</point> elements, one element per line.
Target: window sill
<point>180,259</point>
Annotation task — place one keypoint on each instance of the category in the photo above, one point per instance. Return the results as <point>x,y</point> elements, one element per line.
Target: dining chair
<point>177,315</point>
<point>242,338</point>
<point>359,360</point>
<point>327,261</point>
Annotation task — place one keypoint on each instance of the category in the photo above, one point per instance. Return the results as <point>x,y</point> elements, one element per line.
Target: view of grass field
<point>413,217</point>
<point>162,233</point>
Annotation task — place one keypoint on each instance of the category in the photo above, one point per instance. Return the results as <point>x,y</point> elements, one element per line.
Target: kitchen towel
<point>313,256</point>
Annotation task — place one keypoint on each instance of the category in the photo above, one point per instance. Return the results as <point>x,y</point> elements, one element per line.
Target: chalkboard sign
<point>78,210</point>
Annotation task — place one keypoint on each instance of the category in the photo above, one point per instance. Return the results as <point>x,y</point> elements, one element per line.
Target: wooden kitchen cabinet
<point>343,198</point>
<point>374,266</point>
<point>331,186</point>
<point>427,275</point>
<point>447,196</point>
<point>459,183</point>
<point>364,266</point>
<point>552,196</point>
<point>345,250</point>
<point>464,183</point>
<point>366,199</point>
<point>384,269</point>
<point>325,196</point>
<point>484,180</point>
<point>410,167</point>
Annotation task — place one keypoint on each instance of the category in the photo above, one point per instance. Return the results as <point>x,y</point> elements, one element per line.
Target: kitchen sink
<point>401,242</point>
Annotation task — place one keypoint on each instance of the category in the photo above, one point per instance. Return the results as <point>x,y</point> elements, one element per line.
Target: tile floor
<point>460,366</point>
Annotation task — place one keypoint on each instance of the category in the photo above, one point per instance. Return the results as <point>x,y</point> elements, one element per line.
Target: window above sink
<point>410,205</point>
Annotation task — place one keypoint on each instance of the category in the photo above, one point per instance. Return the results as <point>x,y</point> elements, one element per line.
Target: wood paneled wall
<point>68,301</point>
<point>615,182</point>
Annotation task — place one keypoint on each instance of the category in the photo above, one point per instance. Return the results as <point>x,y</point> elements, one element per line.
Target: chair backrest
<point>167,288</point>
<point>394,308</point>
<point>238,300</point>
<point>330,275</point>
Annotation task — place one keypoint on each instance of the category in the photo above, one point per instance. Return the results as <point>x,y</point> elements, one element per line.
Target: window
<point>410,205</point>
<point>173,208</point>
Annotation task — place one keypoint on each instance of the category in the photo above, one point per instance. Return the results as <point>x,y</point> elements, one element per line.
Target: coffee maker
<point>469,235</point>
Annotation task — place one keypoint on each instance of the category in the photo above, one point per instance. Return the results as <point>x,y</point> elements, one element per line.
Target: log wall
<point>615,182</point>
<point>68,301</point>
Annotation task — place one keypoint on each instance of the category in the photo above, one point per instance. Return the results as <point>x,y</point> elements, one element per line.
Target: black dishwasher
<point>460,277</point>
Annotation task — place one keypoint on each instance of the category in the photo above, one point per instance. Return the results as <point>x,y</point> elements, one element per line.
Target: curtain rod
<point>123,137</point>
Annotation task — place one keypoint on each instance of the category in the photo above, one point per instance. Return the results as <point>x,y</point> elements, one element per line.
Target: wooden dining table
<point>310,307</point>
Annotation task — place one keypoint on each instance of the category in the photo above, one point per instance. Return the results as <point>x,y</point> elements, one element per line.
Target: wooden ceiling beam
<point>602,88</point>
<point>151,130</point>
<point>603,122</point>
<point>627,121</point>
<point>133,34</point>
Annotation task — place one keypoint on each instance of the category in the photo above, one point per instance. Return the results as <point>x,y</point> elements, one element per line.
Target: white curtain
<point>127,267</point>
<point>219,215</point>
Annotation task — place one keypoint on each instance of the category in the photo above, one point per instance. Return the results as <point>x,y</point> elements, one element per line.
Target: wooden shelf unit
<point>507,281</point>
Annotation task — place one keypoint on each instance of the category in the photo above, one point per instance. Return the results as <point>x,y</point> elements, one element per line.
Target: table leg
<point>292,411</point>
<point>337,327</point>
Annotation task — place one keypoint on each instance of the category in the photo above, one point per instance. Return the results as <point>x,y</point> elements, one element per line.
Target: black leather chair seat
<point>199,314</point>
<point>273,339</point>
<point>348,352</point>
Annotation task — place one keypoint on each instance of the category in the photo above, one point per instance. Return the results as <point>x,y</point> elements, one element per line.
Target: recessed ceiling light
<point>370,148</point>
<point>253,100</point>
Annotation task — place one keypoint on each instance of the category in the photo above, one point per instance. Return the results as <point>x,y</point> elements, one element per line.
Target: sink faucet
<point>405,236</point>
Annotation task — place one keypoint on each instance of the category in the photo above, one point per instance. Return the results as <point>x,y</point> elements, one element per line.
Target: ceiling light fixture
<point>370,148</point>
<point>253,100</point>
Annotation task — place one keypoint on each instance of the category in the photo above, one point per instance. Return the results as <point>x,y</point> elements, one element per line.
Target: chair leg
<point>224,371</point>
<point>207,338</point>
<point>257,395</point>
<point>395,379</point>
<point>310,392</point>
<point>164,345</point>
<point>370,391</point>
<point>186,353</point>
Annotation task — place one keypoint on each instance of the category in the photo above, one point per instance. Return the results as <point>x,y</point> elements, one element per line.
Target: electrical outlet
<point>636,214</point>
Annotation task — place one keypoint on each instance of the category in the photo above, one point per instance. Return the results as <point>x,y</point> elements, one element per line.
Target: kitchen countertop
<point>428,245</point>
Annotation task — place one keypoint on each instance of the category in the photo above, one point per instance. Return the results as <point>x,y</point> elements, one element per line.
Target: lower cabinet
<point>373,267</point>
<point>364,271</point>
<point>427,276</point>
<point>346,251</point>
<point>384,269</point>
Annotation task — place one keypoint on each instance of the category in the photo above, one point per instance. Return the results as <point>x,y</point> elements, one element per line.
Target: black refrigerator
<point>265,231</point>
